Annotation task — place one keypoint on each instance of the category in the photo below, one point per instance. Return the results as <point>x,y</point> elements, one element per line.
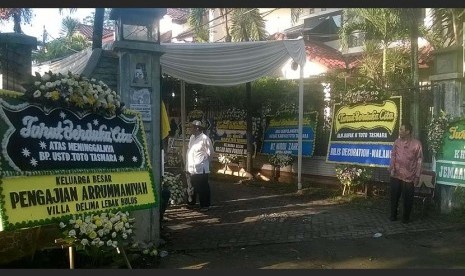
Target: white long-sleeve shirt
<point>199,154</point>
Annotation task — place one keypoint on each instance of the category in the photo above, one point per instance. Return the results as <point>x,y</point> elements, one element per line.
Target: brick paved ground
<point>242,216</point>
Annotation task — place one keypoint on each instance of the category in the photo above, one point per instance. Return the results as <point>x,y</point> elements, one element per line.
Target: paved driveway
<point>242,215</point>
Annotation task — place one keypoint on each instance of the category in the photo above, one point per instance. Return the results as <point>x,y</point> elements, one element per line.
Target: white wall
<point>277,20</point>
<point>166,24</point>
<point>310,69</point>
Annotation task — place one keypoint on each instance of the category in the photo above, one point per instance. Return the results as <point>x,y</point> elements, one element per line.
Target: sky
<point>48,17</point>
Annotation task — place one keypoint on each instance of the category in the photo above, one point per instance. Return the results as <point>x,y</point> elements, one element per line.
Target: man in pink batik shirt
<point>405,170</point>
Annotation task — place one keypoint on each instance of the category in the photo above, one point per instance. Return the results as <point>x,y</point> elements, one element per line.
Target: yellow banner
<point>60,195</point>
<point>367,116</point>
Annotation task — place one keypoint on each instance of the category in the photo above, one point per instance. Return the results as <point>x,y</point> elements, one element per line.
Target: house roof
<point>178,15</point>
<point>322,27</point>
<point>325,55</point>
<point>333,59</point>
<point>86,31</point>
<point>425,57</point>
<point>166,37</point>
<point>185,34</point>
<point>319,52</point>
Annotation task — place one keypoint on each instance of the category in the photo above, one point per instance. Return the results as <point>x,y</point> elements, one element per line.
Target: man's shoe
<point>405,220</point>
<point>392,218</point>
<point>204,209</point>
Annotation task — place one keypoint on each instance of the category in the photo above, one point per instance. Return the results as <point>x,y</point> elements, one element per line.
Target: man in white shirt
<point>199,154</point>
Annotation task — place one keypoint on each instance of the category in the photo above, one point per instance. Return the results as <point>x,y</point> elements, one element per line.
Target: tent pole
<point>183,119</point>
<point>301,119</point>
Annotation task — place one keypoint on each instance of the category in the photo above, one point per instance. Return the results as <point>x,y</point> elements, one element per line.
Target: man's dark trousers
<point>202,188</point>
<point>399,187</point>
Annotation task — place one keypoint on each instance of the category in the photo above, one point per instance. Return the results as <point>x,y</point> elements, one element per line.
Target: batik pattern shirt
<point>406,159</point>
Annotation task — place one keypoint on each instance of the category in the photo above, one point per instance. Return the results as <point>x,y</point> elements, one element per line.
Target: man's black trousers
<point>201,188</point>
<point>399,187</point>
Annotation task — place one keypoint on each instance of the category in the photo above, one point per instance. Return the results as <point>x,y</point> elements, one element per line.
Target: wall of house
<point>167,24</point>
<point>277,20</point>
<point>311,69</point>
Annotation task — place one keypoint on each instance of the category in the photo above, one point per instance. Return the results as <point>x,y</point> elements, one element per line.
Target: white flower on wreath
<point>73,90</point>
<point>96,230</point>
<point>281,160</point>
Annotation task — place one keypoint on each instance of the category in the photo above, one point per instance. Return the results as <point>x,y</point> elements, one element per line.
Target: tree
<point>69,44</point>
<point>412,16</point>
<point>68,26</point>
<point>107,23</point>
<point>60,48</point>
<point>19,15</point>
<point>197,20</point>
<point>385,26</point>
<point>247,24</point>
<point>447,27</point>
<point>295,14</point>
<point>379,25</point>
<point>97,32</point>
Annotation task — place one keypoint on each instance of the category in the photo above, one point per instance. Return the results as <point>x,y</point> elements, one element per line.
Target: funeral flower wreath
<point>75,92</point>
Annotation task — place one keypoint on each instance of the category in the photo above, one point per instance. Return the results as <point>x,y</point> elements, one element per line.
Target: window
<point>356,39</point>
<point>311,11</point>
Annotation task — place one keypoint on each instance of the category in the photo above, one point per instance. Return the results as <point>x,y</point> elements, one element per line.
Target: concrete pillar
<point>139,86</point>
<point>15,59</point>
<point>449,95</point>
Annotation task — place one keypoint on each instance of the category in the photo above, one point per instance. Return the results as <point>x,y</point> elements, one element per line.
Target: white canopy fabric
<point>226,64</point>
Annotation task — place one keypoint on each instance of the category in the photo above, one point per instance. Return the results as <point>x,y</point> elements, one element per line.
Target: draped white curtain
<point>226,64</point>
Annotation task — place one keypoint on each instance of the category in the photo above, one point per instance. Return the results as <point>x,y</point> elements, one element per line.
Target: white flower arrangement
<point>103,231</point>
<point>73,91</point>
<point>227,158</point>
<point>352,175</point>
<point>365,91</point>
<point>233,114</point>
<point>435,131</point>
<point>287,109</point>
<point>281,159</point>
<point>148,249</point>
<point>175,185</point>
<point>173,158</point>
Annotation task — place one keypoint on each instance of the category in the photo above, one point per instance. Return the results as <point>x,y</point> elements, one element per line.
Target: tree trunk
<point>385,46</point>
<point>17,22</point>
<point>455,27</point>
<point>97,33</point>
<point>248,100</point>
<point>224,15</point>
<point>415,74</point>
<point>276,173</point>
